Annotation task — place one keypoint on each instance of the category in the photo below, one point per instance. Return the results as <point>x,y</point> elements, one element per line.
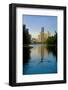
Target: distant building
<point>42,36</point>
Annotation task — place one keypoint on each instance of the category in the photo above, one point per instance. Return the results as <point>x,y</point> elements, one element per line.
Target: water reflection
<point>52,49</point>
<point>42,53</point>
<point>26,55</point>
<point>42,50</point>
<point>40,59</point>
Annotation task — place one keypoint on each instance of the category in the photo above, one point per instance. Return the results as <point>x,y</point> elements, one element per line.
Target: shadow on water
<point>52,49</point>
<point>26,54</point>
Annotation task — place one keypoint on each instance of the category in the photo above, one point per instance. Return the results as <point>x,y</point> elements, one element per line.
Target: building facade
<point>43,36</point>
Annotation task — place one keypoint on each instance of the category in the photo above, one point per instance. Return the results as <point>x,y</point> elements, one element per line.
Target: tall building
<point>42,36</point>
<point>42,29</point>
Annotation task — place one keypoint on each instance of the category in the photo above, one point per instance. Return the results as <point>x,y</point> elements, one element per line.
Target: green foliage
<point>26,36</point>
<point>52,39</point>
<point>53,49</point>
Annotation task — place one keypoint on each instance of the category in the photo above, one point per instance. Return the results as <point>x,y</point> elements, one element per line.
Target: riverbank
<point>27,46</point>
<point>31,45</point>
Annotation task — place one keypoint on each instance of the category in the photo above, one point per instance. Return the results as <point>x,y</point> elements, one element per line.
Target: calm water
<point>39,60</point>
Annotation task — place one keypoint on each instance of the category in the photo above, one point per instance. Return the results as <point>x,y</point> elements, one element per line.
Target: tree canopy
<point>52,39</point>
<point>26,36</point>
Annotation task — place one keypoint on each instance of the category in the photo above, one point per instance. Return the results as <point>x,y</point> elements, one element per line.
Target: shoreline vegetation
<point>27,46</point>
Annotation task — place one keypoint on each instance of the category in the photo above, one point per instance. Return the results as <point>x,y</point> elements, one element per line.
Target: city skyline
<point>35,23</point>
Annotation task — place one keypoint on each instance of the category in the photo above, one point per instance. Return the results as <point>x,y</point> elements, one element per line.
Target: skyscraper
<point>42,34</point>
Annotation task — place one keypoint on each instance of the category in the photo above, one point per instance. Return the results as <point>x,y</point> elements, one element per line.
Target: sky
<point>34,23</point>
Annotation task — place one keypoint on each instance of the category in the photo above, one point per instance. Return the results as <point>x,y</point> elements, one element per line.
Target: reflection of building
<point>42,51</point>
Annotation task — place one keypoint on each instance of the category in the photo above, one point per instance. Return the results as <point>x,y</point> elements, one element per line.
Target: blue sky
<point>34,23</point>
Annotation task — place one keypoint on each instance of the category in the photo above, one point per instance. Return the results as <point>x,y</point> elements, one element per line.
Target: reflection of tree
<point>52,44</point>
<point>26,54</point>
<point>45,50</point>
<point>26,42</point>
<point>52,49</point>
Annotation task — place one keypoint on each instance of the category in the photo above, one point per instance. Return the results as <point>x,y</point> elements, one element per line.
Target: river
<point>39,59</point>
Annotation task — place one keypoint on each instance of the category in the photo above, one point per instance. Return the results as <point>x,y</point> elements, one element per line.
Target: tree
<point>52,39</point>
<point>26,36</point>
